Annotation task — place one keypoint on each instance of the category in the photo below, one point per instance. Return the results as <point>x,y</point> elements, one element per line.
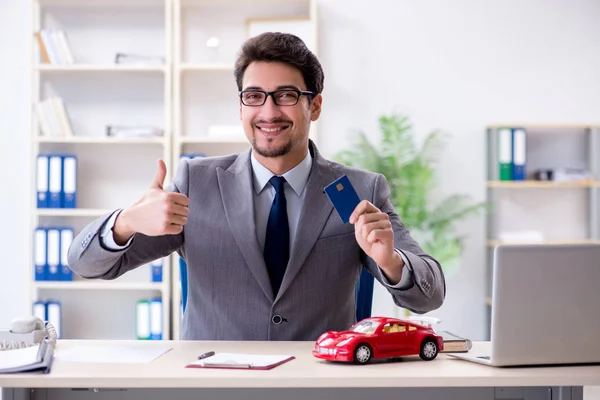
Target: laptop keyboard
<point>484,357</point>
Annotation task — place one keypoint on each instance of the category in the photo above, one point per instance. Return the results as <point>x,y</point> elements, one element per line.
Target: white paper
<point>18,358</point>
<point>110,354</point>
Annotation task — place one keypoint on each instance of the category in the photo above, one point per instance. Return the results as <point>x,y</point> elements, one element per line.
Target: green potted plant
<point>411,173</point>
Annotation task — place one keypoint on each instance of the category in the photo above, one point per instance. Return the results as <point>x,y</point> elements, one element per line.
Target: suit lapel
<point>237,195</point>
<point>315,212</point>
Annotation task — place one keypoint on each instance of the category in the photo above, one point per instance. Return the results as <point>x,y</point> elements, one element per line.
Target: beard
<point>267,150</point>
<point>279,151</point>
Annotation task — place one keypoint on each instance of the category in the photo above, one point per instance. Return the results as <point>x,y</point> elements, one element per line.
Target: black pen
<point>205,355</point>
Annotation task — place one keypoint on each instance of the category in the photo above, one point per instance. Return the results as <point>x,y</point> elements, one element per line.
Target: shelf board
<point>531,184</point>
<point>493,243</point>
<point>541,126</point>
<point>199,3</point>
<point>103,3</point>
<point>71,212</point>
<point>97,285</point>
<point>99,140</point>
<point>216,140</point>
<point>100,68</point>
<point>205,67</point>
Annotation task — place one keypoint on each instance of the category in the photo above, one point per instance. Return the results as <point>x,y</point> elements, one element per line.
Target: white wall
<point>453,65</point>
<point>15,47</point>
<point>458,65</point>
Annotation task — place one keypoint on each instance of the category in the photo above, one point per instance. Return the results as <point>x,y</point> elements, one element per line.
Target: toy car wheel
<point>429,350</point>
<point>362,354</point>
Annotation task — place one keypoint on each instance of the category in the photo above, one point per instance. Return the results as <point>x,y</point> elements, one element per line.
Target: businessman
<point>268,257</point>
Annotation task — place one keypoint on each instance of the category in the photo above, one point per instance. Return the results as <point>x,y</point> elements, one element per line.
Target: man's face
<point>277,130</point>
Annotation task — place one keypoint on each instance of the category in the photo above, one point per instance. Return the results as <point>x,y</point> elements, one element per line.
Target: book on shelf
<point>454,343</point>
<point>55,47</point>
<point>53,118</point>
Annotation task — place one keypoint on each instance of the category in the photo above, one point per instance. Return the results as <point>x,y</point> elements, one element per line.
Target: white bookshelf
<point>563,212</point>
<point>192,91</point>
<point>204,88</point>
<point>112,172</point>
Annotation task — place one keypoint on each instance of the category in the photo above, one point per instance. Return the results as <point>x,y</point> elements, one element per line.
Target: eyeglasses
<point>282,97</point>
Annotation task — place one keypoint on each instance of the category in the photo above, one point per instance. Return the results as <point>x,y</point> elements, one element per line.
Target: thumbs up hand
<point>157,213</point>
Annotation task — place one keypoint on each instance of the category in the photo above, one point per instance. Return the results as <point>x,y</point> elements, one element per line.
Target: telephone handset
<point>26,324</point>
<point>27,331</point>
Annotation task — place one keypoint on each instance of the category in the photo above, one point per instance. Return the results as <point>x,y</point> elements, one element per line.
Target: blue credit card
<point>344,198</point>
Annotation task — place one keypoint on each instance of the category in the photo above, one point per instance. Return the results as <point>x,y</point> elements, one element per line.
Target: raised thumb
<point>161,174</point>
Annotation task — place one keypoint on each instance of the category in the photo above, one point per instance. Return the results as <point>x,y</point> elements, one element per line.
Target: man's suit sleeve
<point>428,289</point>
<point>106,235</point>
<point>89,257</point>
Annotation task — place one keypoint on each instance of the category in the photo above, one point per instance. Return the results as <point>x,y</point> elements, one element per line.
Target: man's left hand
<point>374,234</point>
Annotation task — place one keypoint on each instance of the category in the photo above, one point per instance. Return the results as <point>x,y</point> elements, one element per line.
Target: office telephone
<point>26,332</point>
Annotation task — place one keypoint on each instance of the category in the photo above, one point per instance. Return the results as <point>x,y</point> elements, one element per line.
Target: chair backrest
<point>183,279</point>
<point>363,291</point>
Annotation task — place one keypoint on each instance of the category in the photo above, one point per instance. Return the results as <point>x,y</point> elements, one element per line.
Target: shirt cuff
<point>107,237</point>
<point>406,280</point>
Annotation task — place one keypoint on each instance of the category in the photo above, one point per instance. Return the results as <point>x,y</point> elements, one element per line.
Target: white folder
<point>143,320</point>
<point>55,181</point>
<point>156,319</point>
<point>42,181</point>
<point>66,238</point>
<point>40,254</point>
<point>39,310</point>
<point>69,181</point>
<point>54,317</point>
<point>53,254</point>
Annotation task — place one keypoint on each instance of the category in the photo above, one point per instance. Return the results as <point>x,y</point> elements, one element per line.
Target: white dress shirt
<point>264,192</point>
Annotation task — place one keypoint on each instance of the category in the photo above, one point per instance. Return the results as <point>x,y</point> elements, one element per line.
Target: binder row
<point>512,154</point>
<point>49,311</point>
<point>51,246</point>
<point>56,181</point>
<point>149,319</point>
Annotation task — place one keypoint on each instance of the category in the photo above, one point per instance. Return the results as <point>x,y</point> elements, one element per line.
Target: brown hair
<point>281,47</point>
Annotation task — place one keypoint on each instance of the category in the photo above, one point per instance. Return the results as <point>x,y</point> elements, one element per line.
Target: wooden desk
<point>166,377</point>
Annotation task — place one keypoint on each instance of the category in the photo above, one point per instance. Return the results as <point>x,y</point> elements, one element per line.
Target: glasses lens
<point>253,98</point>
<point>286,97</point>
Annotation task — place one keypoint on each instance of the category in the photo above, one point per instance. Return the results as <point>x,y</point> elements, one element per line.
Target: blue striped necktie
<point>277,240</point>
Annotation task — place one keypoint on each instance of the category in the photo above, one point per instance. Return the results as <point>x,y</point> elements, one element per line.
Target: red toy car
<point>379,337</point>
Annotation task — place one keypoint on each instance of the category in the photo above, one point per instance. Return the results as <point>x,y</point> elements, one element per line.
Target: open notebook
<point>36,358</point>
<point>241,361</point>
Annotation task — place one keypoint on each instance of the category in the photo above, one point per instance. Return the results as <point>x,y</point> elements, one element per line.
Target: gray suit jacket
<point>229,292</point>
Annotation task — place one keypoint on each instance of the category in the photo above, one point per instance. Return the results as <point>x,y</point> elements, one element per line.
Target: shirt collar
<point>295,177</point>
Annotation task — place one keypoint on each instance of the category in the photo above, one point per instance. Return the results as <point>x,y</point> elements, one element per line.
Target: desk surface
<point>306,371</point>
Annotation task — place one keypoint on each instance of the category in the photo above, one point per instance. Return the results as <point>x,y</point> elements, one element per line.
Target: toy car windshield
<point>366,327</point>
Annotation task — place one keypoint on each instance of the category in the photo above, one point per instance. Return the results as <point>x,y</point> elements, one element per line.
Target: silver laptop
<point>545,306</point>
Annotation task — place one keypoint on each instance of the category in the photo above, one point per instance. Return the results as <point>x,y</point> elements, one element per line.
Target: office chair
<point>183,279</point>
<point>363,291</point>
